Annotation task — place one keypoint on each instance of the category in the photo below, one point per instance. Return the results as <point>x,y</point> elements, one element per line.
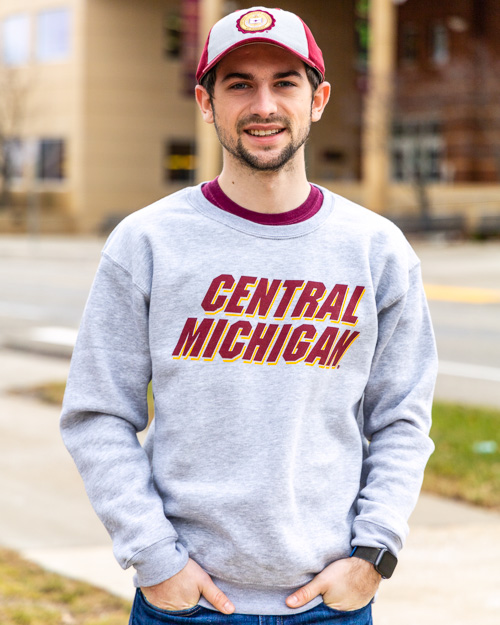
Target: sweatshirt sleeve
<point>397,407</point>
<point>105,405</point>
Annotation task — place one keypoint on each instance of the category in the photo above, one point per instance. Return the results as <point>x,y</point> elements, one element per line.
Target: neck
<point>262,191</point>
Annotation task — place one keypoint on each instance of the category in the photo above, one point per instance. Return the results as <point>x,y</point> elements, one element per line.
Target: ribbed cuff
<point>366,534</point>
<point>159,562</point>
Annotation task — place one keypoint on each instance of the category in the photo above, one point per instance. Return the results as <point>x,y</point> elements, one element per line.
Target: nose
<point>264,102</point>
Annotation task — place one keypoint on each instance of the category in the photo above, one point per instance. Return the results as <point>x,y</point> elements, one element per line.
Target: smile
<point>264,133</point>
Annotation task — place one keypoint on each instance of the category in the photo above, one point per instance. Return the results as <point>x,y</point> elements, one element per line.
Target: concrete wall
<point>132,105</point>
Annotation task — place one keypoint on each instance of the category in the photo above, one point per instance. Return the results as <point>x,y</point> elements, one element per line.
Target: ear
<point>203,100</point>
<point>320,100</point>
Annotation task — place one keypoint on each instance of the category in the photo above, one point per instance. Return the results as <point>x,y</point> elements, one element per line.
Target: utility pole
<point>208,150</point>
<point>378,104</point>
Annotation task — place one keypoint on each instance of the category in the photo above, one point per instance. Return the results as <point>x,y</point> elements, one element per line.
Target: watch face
<point>386,563</point>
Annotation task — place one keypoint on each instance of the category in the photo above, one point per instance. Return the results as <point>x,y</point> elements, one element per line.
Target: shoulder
<point>142,227</point>
<point>149,217</point>
<point>368,237</point>
<point>133,242</point>
<point>363,228</point>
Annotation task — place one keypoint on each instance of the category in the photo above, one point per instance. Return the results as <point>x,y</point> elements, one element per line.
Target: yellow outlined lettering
<point>260,299</point>
<point>348,318</point>
<point>291,288</point>
<point>341,347</point>
<point>193,338</point>
<point>240,293</point>
<point>333,307</point>
<point>235,349</point>
<point>299,344</point>
<point>308,298</point>
<point>213,302</point>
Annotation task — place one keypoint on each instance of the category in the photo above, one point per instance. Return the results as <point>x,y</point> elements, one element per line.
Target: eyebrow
<point>239,75</point>
<point>277,76</point>
<point>292,72</point>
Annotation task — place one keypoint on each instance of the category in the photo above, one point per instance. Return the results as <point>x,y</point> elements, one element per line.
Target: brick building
<point>447,114</point>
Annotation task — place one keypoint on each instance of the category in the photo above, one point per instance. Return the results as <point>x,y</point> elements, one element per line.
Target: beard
<point>254,161</point>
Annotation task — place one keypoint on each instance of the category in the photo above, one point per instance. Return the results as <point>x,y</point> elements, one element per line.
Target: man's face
<point>262,106</point>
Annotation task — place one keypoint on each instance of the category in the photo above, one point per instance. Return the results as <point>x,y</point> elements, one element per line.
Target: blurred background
<point>98,119</point>
<point>97,115</point>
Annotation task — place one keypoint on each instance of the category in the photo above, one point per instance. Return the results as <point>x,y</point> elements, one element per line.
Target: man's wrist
<point>382,559</point>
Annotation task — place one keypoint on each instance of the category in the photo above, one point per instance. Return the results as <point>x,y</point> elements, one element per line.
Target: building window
<point>440,48</point>
<point>173,34</point>
<point>179,161</point>
<point>50,162</point>
<point>16,40</point>
<point>417,151</point>
<point>409,44</point>
<point>53,35</point>
<point>14,159</point>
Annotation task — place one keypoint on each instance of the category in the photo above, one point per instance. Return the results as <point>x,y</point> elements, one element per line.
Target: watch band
<point>382,559</point>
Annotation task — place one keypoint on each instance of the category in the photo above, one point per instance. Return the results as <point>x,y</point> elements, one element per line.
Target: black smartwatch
<point>382,559</point>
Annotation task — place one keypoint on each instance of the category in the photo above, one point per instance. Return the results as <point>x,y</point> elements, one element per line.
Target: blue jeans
<point>143,613</point>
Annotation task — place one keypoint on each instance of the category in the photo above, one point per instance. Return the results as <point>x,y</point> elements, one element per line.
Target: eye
<point>237,86</point>
<point>285,83</point>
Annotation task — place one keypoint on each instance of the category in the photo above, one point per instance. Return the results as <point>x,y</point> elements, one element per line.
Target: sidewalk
<point>448,572</point>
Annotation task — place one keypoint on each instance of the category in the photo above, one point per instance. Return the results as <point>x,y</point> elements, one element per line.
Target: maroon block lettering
<point>333,304</point>
<point>322,348</point>
<point>341,347</point>
<point>263,297</point>
<point>241,292</point>
<point>231,348</point>
<point>348,317</point>
<point>193,337</point>
<point>215,339</point>
<point>309,299</point>
<point>299,343</point>
<point>213,302</point>
<point>261,340</point>
<point>290,287</point>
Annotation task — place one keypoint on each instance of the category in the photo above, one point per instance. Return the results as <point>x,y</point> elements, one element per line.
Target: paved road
<point>463,287</point>
<point>44,282</point>
<point>44,285</point>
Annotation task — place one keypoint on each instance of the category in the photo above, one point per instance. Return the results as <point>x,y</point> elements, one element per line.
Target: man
<point>283,327</point>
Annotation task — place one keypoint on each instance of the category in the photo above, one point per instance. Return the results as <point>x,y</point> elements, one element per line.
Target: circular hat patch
<point>255,22</point>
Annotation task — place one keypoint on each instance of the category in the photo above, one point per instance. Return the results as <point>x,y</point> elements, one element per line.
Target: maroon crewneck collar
<point>214,194</point>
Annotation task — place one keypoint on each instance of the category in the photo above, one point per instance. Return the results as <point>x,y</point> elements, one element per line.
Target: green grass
<point>31,596</point>
<point>456,469</point>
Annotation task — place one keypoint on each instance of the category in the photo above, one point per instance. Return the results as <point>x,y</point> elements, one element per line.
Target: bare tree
<point>14,89</point>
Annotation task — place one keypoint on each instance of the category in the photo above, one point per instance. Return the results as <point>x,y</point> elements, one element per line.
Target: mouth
<point>264,133</point>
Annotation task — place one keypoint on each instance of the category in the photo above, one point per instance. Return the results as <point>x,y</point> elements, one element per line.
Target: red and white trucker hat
<point>260,25</point>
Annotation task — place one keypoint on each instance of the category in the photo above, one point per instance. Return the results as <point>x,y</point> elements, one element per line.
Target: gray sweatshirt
<point>292,369</point>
